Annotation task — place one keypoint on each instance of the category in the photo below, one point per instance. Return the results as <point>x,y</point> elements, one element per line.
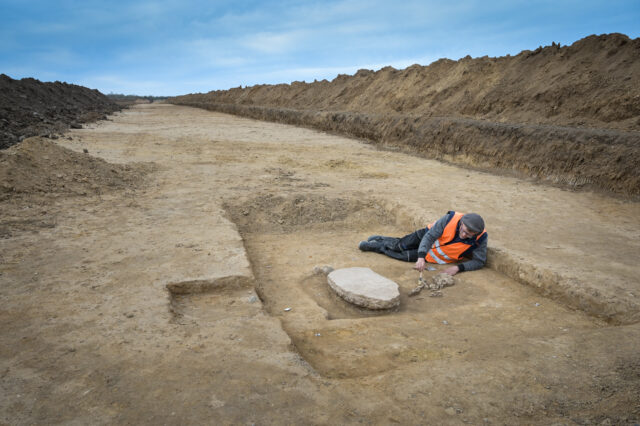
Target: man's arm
<point>429,238</point>
<point>478,257</point>
<point>432,235</point>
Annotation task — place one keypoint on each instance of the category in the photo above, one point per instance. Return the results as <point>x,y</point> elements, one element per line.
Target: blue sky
<point>172,47</point>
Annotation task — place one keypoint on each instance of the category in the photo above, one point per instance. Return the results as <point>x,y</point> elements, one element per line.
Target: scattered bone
<point>417,290</point>
<point>441,281</point>
<point>325,270</point>
<point>437,283</point>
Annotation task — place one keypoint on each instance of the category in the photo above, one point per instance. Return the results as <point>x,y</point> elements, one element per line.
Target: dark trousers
<point>405,248</point>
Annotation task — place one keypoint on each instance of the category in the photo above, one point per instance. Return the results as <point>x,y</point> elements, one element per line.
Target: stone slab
<point>365,288</point>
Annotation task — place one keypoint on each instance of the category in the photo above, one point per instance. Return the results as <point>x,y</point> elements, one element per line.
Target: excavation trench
<point>203,302</point>
<point>486,314</point>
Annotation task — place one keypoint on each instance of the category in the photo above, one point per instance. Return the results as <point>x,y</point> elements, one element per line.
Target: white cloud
<point>114,83</point>
<point>19,72</point>
<point>58,57</point>
<point>309,74</point>
<point>236,20</point>
<point>272,43</point>
<point>211,53</point>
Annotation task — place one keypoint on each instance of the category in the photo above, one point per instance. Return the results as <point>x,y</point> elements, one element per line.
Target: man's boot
<point>371,246</point>
<point>390,243</point>
<point>375,238</point>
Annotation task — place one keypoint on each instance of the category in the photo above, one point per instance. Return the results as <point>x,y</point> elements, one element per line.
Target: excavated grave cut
<point>286,236</point>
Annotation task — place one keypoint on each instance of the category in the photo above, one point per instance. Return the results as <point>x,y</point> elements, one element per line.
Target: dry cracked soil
<point>184,291</point>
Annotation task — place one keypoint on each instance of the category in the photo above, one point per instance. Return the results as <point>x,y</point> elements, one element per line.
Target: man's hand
<point>420,264</point>
<point>452,270</point>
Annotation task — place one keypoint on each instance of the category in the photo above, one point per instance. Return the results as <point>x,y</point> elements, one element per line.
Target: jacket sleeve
<point>433,234</point>
<point>478,257</point>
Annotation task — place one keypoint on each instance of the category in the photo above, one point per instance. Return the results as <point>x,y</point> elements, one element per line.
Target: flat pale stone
<point>363,287</point>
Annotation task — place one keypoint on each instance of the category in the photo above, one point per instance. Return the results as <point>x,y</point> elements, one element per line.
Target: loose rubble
<point>325,270</point>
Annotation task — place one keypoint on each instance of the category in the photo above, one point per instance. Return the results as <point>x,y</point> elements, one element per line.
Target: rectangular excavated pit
<point>486,314</point>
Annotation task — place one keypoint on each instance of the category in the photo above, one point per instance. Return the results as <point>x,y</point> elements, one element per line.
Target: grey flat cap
<point>473,222</point>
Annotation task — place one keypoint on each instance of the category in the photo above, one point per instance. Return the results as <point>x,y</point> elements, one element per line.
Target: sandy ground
<point>165,304</point>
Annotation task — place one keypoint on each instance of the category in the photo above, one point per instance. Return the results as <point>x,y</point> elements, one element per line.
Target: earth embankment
<point>568,115</point>
<point>29,107</point>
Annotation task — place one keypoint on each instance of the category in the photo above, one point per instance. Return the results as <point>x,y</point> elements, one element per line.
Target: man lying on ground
<point>447,240</point>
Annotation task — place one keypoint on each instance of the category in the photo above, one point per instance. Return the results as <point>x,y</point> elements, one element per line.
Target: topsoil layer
<point>568,115</point>
<point>29,107</point>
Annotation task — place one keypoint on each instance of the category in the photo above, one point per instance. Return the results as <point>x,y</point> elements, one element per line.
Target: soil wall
<point>568,115</point>
<point>29,107</point>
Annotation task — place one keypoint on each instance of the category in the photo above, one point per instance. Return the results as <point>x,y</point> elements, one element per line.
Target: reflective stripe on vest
<point>431,255</point>
<point>442,257</point>
<point>441,252</point>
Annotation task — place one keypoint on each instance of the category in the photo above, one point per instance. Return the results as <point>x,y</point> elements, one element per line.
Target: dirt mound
<point>40,166</point>
<point>568,114</point>
<point>29,107</point>
<point>282,213</point>
<point>594,82</point>
<point>37,171</point>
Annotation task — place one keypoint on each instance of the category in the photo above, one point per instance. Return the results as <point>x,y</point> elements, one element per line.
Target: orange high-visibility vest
<point>442,251</point>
